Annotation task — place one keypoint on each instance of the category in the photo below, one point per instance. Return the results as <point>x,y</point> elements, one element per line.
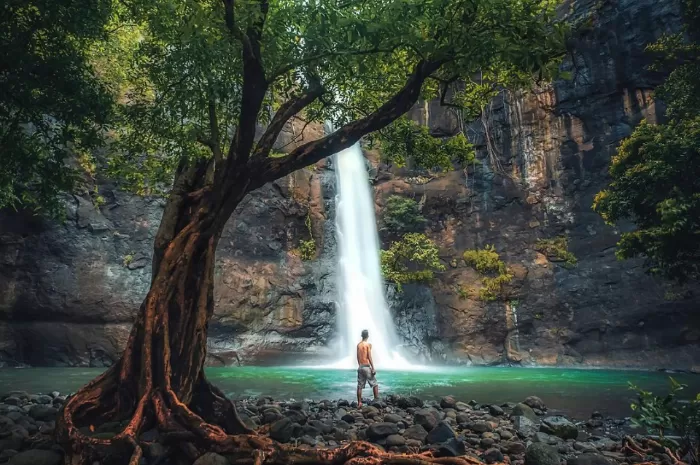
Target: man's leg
<point>359,396</point>
<point>375,389</point>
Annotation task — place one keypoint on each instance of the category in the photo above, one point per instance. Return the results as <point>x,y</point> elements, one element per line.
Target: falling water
<point>362,304</point>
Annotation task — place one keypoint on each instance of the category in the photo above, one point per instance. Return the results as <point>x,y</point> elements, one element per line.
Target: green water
<point>574,392</point>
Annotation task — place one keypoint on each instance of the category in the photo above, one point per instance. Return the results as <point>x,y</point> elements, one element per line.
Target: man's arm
<point>369,355</point>
<point>358,354</point>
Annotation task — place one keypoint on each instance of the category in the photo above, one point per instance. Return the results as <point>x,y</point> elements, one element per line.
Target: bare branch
<point>269,169</point>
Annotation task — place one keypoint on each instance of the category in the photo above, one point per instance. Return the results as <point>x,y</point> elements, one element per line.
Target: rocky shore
<point>517,433</point>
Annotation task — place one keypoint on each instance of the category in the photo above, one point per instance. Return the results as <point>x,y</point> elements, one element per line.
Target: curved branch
<point>269,169</point>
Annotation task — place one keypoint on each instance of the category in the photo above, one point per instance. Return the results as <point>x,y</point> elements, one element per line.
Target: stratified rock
<point>541,454</point>
<point>441,433</point>
<point>36,457</point>
<point>560,427</point>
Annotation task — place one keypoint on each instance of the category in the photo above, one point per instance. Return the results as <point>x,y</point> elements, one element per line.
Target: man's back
<point>363,353</point>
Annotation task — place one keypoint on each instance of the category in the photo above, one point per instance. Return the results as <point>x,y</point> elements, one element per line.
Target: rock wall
<point>68,292</point>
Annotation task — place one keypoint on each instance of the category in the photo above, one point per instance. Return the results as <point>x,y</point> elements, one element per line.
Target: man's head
<point>365,334</point>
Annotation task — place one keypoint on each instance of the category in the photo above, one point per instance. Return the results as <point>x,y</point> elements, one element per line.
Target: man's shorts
<point>364,376</point>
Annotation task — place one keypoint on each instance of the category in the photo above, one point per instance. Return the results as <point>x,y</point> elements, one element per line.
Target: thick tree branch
<point>283,114</point>
<point>215,138</point>
<point>269,169</point>
<point>230,17</point>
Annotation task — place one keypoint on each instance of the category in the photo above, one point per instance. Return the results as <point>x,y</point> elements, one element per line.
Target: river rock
<point>426,418</point>
<point>452,448</point>
<point>211,458</point>
<point>36,457</point>
<point>462,418</point>
<point>409,402</point>
<point>395,440</point>
<point>535,403</point>
<point>514,447</point>
<point>296,416</point>
<point>282,430</point>
<point>493,455</point>
<point>524,426</point>
<point>560,427</point>
<point>545,438</point>
<point>392,418</point>
<point>462,407</point>
<point>441,433</point>
<point>496,411</point>
<point>481,427</point>
<point>381,430</point>
<point>541,454</point>
<point>589,459</point>
<point>522,410</point>
<point>415,432</point>
<point>43,412</point>
<point>369,411</point>
<point>448,402</point>
<point>348,418</point>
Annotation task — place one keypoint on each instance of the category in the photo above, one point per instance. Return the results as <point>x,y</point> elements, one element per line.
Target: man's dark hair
<point>365,334</point>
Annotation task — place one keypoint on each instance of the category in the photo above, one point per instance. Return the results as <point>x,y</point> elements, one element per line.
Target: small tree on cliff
<point>204,78</point>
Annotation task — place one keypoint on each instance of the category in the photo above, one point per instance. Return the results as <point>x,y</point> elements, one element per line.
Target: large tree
<point>202,77</point>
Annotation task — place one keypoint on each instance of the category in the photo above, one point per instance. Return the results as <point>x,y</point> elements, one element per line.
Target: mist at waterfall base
<point>361,300</point>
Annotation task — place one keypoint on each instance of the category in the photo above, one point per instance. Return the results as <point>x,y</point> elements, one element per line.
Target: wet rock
<point>392,418</point>
<point>524,426</point>
<point>522,410</point>
<point>462,418</point>
<point>541,454</point>
<point>589,459</point>
<point>297,416</point>
<point>448,402</point>
<point>409,402</point>
<point>485,443</point>
<point>560,427</point>
<point>416,432</point>
<point>381,430</point>
<point>481,427</point>
<point>496,411</point>
<point>369,411</point>
<point>211,458</point>
<point>514,447</point>
<point>348,418</point>
<point>282,430</point>
<point>43,412</point>
<point>535,403</point>
<point>504,434</point>
<point>441,433</point>
<point>321,426</point>
<point>308,440</point>
<point>426,418</point>
<point>452,448</point>
<point>545,438</point>
<point>43,399</point>
<point>493,455</point>
<point>36,457</point>
<point>462,407</point>
<point>395,440</point>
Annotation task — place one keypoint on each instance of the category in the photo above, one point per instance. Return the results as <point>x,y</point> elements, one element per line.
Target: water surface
<point>574,392</point>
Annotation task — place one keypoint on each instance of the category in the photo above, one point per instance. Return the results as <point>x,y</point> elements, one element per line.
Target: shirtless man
<point>365,371</point>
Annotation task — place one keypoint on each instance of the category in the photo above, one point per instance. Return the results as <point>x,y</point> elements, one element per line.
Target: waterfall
<point>362,303</point>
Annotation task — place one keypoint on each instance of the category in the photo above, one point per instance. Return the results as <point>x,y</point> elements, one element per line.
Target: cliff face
<point>68,292</point>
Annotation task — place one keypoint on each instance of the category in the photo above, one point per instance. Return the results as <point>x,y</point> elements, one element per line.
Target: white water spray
<point>362,304</point>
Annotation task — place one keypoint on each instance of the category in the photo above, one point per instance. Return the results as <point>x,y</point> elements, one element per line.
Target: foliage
<point>405,140</point>
<point>307,248</point>
<point>656,172</point>
<point>414,258</point>
<point>402,215</point>
<point>557,248</point>
<point>52,106</point>
<point>486,261</point>
<point>659,415</point>
<point>128,259</point>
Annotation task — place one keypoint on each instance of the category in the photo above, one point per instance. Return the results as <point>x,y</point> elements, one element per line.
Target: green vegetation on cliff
<point>557,248</point>
<point>402,215</point>
<point>487,262</point>
<point>413,259</point>
<point>656,172</point>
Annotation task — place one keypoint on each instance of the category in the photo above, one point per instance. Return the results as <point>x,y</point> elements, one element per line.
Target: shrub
<point>659,415</point>
<point>486,261</point>
<point>414,258</point>
<point>402,215</point>
<point>557,249</point>
<point>307,248</point>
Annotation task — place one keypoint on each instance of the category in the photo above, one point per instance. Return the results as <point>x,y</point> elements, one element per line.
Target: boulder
<point>416,433</point>
<point>590,459</point>
<point>514,447</point>
<point>524,426</point>
<point>481,427</point>
<point>43,412</point>
<point>381,430</point>
<point>522,410</point>
<point>452,448</point>
<point>560,427</point>
<point>282,430</point>
<point>541,454</point>
<point>535,402</point>
<point>496,411</point>
<point>426,418</point>
<point>211,458</point>
<point>392,418</point>
<point>462,407</point>
<point>448,402</point>
<point>493,455</point>
<point>297,416</point>
<point>36,457</point>
<point>395,440</point>
<point>441,433</point>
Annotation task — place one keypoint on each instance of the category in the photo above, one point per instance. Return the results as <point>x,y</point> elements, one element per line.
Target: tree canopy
<point>190,76</point>
<point>656,172</point>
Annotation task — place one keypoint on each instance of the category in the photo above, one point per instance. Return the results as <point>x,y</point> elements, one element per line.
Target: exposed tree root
<point>650,447</point>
